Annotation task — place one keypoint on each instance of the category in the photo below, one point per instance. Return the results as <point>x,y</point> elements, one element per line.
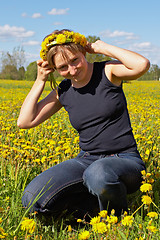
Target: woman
<point>109,165</point>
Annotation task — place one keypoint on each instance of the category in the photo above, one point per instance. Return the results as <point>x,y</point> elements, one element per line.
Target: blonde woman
<point>109,165</point>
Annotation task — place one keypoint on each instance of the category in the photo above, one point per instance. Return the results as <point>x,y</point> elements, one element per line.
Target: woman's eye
<point>63,68</point>
<point>75,59</point>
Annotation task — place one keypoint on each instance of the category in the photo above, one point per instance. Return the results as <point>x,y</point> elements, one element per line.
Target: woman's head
<point>60,41</point>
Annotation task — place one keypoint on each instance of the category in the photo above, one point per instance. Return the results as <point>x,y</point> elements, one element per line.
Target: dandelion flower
<point>95,220</point>
<point>146,200</point>
<point>112,212</point>
<point>61,38</point>
<point>84,235</point>
<point>146,187</point>
<point>103,213</point>
<point>152,215</point>
<point>100,227</point>
<point>113,219</point>
<point>127,221</point>
<point>28,225</point>
<point>69,228</point>
<point>2,233</point>
<point>79,220</point>
<point>152,229</point>
<point>143,172</point>
<point>148,175</point>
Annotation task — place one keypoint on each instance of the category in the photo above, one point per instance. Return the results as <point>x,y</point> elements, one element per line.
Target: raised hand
<point>43,70</point>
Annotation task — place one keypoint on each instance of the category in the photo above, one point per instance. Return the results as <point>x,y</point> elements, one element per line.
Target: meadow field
<point>26,153</point>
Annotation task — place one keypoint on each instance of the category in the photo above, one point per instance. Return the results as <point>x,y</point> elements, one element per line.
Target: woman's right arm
<point>32,112</point>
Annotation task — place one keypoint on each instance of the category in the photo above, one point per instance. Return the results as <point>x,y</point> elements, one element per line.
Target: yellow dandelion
<point>151,180</point>
<point>84,235</point>
<point>61,38</point>
<point>100,227</point>
<point>79,220</point>
<point>2,233</point>
<point>103,213</point>
<point>6,199</point>
<point>95,220</point>
<point>112,212</point>
<point>69,228</point>
<point>146,187</point>
<point>143,173</point>
<point>1,220</point>
<point>127,221</point>
<point>113,219</point>
<point>147,152</point>
<point>146,200</point>
<point>83,41</point>
<point>152,229</point>
<point>76,38</point>
<point>152,214</point>
<point>148,175</point>
<point>28,225</point>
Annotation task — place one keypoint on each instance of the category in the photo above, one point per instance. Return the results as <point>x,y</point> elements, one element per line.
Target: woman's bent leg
<point>111,178</point>
<point>58,189</point>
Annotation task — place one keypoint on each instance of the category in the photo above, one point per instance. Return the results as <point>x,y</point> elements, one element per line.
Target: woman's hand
<point>43,70</point>
<point>96,47</point>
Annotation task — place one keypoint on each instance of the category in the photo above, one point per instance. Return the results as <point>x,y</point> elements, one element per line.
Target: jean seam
<point>51,195</point>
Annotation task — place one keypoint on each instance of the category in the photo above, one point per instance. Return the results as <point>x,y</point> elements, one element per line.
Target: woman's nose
<point>72,70</point>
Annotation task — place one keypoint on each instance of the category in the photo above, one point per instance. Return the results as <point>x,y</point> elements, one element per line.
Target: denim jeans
<point>86,184</point>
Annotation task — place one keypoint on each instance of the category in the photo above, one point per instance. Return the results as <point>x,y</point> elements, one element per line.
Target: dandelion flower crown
<point>62,38</point>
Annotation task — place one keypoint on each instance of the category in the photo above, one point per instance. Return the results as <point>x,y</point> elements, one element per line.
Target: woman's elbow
<point>145,65</point>
<point>22,125</point>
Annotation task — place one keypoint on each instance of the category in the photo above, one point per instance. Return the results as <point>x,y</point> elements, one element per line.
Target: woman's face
<point>73,66</point>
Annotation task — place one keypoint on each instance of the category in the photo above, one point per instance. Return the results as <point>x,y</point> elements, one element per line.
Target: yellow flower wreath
<point>62,38</point>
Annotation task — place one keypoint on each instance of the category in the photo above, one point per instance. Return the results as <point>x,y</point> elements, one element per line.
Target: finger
<point>45,64</point>
<point>39,62</point>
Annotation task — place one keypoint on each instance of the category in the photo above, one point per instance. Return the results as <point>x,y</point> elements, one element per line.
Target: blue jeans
<point>86,184</point>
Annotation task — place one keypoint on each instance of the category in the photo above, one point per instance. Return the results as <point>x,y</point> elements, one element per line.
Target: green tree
<point>21,73</point>
<point>152,74</point>
<point>12,64</point>
<point>31,72</point>
<point>155,71</point>
<point>9,72</point>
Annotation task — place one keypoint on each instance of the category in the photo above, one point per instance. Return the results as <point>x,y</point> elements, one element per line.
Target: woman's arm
<point>32,112</point>
<point>130,65</point>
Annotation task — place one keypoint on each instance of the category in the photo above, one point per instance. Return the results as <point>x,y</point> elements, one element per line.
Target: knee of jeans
<point>29,201</point>
<point>95,179</point>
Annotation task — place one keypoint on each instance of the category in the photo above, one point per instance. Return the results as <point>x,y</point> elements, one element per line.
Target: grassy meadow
<point>26,153</point>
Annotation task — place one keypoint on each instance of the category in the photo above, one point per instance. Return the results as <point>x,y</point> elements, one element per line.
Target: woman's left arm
<point>130,65</point>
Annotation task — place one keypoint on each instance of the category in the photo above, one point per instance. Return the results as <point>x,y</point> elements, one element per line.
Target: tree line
<point>13,65</point>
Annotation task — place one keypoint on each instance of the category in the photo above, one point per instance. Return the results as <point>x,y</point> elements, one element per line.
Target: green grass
<point>26,153</point>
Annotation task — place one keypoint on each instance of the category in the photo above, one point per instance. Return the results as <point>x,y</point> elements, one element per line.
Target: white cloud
<point>142,45</point>
<point>116,33</point>
<point>31,56</point>
<point>56,11</point>
<point>31,43</point>
<point>57,23</point>
<point>24,14</point>
<point>147,49</point>
<point>8,32</point>
<point>37,15</point>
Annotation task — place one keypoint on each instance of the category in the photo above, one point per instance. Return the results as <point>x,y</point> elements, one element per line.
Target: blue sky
<point>128,24</point>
